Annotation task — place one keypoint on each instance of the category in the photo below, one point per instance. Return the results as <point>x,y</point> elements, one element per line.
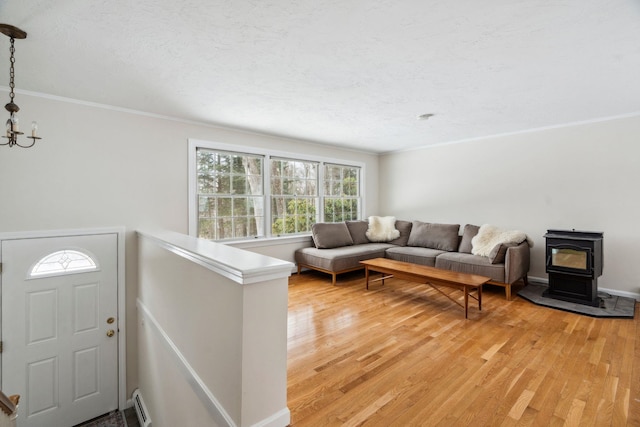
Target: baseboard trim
<point>616,292</point>
<point>619,293</point>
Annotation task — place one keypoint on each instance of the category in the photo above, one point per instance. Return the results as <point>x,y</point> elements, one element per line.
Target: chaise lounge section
<point>339,248</point>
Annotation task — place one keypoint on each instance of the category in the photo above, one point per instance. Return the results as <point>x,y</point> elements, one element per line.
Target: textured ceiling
<point>353,73</point>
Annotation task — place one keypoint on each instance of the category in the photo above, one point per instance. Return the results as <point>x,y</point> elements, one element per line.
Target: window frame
<point>194,144</point>
<point>342,197</point>
<point>232,195</point>
<point>296,197</point>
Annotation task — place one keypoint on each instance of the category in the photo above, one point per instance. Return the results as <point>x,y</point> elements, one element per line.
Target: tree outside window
<point>230,195</point>
<point>341,193</point>
<point>294,196</point>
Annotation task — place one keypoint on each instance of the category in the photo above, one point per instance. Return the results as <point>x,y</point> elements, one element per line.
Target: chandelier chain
<point>12,73</point>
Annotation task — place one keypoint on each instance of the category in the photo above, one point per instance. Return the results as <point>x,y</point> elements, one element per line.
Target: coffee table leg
<point>480,298</point>
<point>466,302</point>
<point>366,274</point>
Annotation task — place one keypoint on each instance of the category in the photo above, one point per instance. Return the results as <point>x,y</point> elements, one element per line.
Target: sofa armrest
<point>516,262</point>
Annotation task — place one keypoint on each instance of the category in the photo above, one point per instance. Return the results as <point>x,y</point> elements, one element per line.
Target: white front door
<point>59,327</point>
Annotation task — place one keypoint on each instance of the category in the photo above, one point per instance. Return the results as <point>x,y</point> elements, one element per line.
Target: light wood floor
<point>403,355</point>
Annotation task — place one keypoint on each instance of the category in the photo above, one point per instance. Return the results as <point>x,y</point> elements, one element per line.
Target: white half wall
<point>213,333</point>
<point>582,177</point>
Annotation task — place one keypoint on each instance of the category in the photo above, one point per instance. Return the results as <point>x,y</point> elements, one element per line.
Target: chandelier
<point>13,125</point>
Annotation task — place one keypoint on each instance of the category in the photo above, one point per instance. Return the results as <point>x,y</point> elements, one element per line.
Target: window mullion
<point>266,179</point>
<point>320,187</point>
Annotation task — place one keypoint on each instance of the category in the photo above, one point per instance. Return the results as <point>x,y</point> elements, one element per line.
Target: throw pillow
<point>382,229</point>
<point>358,231</point>
<point>469,233</point>
<point>435,236</point>
<point>327,235</point>
<point>499,251</point>
<point>404,227</point>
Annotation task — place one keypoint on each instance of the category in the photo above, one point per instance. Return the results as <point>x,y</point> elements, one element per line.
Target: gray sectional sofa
<point>339,248</point>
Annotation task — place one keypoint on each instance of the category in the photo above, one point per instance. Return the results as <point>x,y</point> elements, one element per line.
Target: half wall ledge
<point>239,265</point>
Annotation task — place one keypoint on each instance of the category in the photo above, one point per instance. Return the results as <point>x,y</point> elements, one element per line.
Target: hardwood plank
<point>400,354</point>
<point>521,404</point>
<point>634,408</point>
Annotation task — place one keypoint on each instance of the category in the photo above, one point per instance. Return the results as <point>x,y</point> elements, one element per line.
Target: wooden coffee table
<point>431,276</point>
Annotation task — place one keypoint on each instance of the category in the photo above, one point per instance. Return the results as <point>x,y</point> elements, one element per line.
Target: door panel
<point>41,316</point>
<point>42,378</point>
<point>57,354</point>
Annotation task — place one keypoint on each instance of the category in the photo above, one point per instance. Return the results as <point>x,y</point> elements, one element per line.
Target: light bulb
<point>8,128</point>
<point>34,129</point>
<point>14,123</point>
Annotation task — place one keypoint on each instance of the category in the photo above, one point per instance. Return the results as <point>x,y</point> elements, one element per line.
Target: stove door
<point>566,258</point>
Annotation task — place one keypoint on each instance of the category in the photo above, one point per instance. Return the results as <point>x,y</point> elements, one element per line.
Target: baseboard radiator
<point>141,409</point>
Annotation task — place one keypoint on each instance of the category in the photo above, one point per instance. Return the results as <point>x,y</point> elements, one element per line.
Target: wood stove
<point>574,263</point>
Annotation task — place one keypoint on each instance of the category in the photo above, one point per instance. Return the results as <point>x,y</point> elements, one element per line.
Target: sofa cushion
<point>327,235</point>
<point>472,264</point>
<point>468,233</point>
<point>358,231</point>
<point>415,255</point>
<point>497,254</point>
<point>404,227</point>
<point>382,229</point>
<point>435,236</point>
<point>340,259</point>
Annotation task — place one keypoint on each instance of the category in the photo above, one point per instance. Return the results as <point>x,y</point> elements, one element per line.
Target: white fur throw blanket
<point>382,229</point>
<point>489,236</point>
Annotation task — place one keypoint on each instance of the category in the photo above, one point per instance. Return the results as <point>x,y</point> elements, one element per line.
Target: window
<point>294,196</point>
<point>240,193</point>
<point>342,193</point>
<point>63,262</point>
<point>230,196</point>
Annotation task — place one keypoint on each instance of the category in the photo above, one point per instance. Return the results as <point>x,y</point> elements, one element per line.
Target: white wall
<point>583,176</point>
<point>97,167</point>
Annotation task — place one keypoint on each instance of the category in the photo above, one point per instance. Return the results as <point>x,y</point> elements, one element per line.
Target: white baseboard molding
<point>616,292</point>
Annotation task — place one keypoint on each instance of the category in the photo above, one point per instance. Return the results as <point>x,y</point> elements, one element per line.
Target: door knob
<point>110,332</point>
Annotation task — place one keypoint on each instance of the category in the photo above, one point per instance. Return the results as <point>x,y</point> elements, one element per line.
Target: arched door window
<point>67,261</point>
